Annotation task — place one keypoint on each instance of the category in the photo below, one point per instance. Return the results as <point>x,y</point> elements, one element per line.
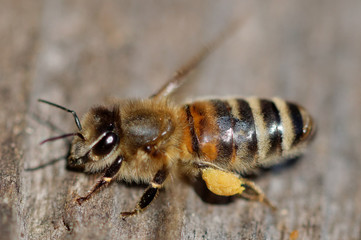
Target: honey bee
<point>154,140</point>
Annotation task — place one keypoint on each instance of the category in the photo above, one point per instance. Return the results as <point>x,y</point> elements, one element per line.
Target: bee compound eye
<point>106,144</point>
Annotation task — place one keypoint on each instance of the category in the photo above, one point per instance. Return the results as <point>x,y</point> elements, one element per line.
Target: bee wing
<point>179,76</point>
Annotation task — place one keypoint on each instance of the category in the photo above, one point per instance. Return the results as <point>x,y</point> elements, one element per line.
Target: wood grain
<point>80,53</point>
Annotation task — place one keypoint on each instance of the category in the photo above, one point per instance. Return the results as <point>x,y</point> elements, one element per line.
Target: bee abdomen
<point>246,131</point>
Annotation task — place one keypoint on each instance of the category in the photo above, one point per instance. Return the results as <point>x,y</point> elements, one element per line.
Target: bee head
<point>96,144</point>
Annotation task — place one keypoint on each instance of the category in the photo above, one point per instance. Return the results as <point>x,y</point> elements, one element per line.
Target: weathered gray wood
<point>80,53</point>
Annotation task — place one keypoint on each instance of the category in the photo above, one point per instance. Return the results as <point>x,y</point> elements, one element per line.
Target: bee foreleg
<point>106,179</point>
<point>225,183</point>
<point>149,194</point>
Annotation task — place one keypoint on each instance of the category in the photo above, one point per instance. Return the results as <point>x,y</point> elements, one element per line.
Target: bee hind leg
<point>225,183</point>
<point>253,192</point>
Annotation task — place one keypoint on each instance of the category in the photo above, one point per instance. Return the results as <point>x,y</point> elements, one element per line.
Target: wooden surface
<point>79,53</point>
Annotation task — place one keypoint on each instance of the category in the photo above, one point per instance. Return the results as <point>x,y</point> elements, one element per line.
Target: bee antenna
<point>77,121</point>
<point>62,136</point>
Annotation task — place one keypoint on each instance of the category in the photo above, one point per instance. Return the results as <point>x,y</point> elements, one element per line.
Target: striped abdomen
<point>245,132</point>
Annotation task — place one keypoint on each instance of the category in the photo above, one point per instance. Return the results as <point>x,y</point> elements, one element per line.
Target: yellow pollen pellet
<point>222,183</point>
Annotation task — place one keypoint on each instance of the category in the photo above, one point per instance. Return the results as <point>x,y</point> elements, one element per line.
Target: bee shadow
<point>207,196</point>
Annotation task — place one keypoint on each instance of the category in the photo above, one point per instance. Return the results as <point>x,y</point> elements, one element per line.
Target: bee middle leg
<point>225,183</point>
<point>149,194</point>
